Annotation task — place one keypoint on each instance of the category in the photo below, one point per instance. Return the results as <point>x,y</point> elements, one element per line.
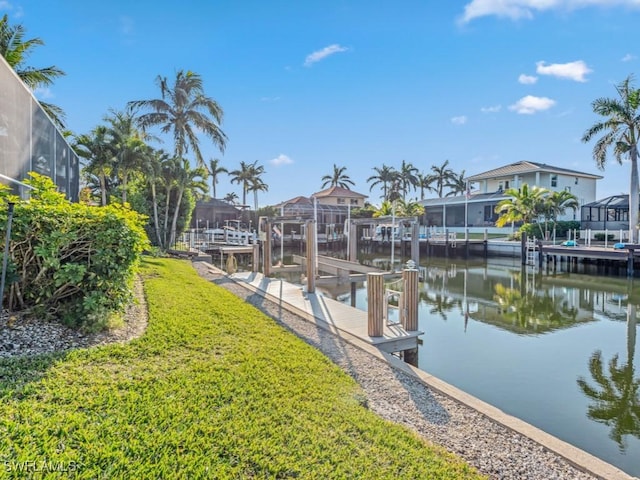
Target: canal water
<point>555,349</point>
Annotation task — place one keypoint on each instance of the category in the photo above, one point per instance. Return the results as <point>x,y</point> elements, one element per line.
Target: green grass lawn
<point>214,389</point>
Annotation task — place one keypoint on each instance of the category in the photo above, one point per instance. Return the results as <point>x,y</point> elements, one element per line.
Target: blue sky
<point>358,83</point>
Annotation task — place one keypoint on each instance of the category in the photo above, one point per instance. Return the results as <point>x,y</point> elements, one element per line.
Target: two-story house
<point>477,209</point>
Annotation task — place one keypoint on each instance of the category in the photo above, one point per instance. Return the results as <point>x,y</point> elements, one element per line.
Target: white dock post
<point>256,257</point>
<point>375,304</point>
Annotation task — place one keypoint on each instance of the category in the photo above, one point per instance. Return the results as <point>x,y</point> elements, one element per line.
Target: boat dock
<point>629,254</point>
<point>341,319</point>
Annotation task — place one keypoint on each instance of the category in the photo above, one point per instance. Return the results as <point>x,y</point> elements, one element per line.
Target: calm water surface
<point>557,350</point>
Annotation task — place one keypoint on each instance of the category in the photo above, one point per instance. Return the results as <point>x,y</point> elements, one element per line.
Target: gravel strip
<point>490,447</point>
<point>22,335</point>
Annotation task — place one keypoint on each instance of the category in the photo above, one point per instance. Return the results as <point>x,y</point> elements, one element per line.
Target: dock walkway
<point>327,313</point>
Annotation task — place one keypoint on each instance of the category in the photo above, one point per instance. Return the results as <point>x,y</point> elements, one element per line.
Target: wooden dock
<point>341,319</point>
<point>630,254</point>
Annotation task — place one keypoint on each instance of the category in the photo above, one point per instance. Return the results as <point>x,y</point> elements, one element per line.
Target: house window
<point>575,182</point>
<point>554,180</point>
<point>354,201</point>
<point>340,201</point>
<point>506,184</point>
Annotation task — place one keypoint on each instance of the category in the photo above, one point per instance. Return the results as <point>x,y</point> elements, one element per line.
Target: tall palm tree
<point>15,50</point>
<point>129,147</point>
<point>408,176</point>
<point>457,184</point>
<point>186,179</point>
<point>424,183</point>
<point>621,130</point>
<point>152,169</point>
<point>440,177</point>
<point>338,178</point>
<point>183,110</point>
<point>524,205</point>
<point>95,147</point>
<point>247,175</point>
<point>169,177</point>
<point>385,175</point>
<point>257,185</point>
<point>215,170</point>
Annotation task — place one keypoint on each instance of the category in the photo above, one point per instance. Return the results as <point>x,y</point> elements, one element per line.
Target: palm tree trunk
<point>124,188</point>
<point>633,196</point>
<point>155,213</point>
<point>174,221</point>
<point>166,217</point>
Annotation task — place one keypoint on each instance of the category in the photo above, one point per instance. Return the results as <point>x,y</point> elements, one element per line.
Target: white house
<point>478,208</point>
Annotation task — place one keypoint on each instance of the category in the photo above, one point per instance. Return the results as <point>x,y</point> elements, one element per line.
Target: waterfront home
<point>476,209</point>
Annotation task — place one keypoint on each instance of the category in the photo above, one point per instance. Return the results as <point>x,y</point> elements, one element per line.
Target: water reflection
<point>616,393</point>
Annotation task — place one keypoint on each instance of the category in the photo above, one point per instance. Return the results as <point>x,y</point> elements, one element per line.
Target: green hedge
<point>70,261</point>
<point>533,229</point>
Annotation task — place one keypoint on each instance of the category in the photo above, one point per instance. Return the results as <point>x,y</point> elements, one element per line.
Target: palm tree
<point>424,184</point>
<point>247,175</point>
<point>408,176</point>
<point>96,148</point>
<point>257,185</point>
<point>385,175</point>
<point>183,110</point>
<point>621,130</point>
<point>15,50</point>
<point>152,169</point>
<point>441,176</point>
<point>557,203</point>
<point>169,177</point>
<point>525,205</point>
<point>457,184</point>
<point>407,208</point>
<point>186,179</point>
<point>231,198</point>
<point>215,169</point>
<point>338,178</point>
<point>129,147</point>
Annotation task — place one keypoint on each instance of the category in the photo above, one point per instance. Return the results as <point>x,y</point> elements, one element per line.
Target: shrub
<point>600,236</point>
<point>71,261</point>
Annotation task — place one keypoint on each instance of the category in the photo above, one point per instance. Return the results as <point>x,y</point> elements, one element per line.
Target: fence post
<point>409,313</point>
<point>312,255</point>
<point>375,304</point>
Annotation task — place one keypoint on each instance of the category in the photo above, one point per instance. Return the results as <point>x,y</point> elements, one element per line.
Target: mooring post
<point>353,294</point>
<point>352,241</point>
<point>312,255</point>
<point>409,312</point>
<point>630,263</point>
<point>256,258</point>
<point>415,242</point>
<point>266,255</point>
<point>523,248</point>
<point>375,304</point>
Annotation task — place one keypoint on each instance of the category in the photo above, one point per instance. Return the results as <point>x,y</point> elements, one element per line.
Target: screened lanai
<point>611,213</point>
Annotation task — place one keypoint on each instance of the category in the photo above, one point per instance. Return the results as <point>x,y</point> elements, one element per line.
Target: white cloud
<point>461,120</point>
<point>491,109</point>
<point>322,54</point>
<point>628,57</point>
<point>280,160</point>
<point>43,93</point>
<point>529,105</point>
<point>527,79</point>
<point>518,9</point>
<point>572,70</point>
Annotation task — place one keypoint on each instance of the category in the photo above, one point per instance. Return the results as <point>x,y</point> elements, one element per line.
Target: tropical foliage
<point>338,178</point>
<point>620,131</point>
<point>68,260</point>
<point>182,111</point>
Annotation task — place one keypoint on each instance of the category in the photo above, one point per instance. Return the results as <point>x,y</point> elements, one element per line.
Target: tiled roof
<point>338,192</point>
<point>522,167</point>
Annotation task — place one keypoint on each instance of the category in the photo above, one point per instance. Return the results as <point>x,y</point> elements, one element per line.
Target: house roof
<point>217,204</point>
<point>299,200</point>
<point>524,166</point>
<point>338,192</point>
